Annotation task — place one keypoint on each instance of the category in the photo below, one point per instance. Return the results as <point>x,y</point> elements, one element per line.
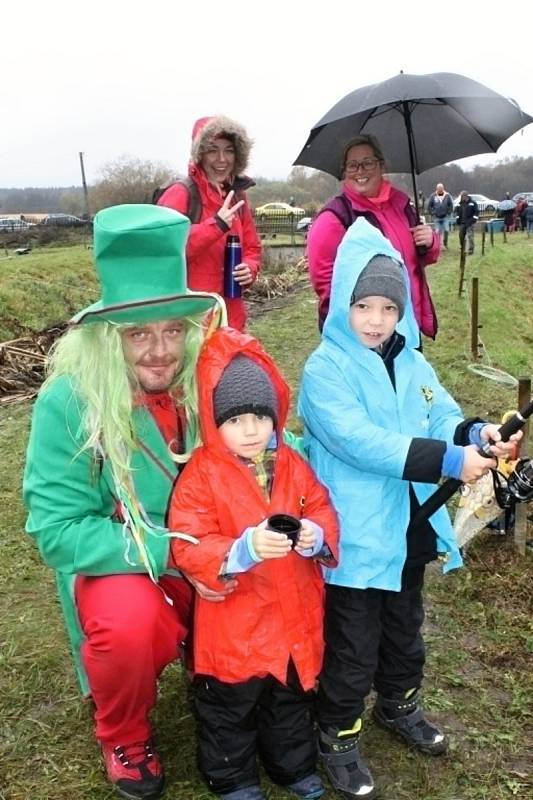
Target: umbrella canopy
<point>506,205</point>
<point>420,121</point>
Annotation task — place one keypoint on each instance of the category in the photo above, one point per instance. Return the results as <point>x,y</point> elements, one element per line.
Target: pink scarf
<point>388,207</point>
<point>381,199</point>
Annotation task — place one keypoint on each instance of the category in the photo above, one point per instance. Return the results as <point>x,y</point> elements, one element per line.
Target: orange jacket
<point>276,612</point>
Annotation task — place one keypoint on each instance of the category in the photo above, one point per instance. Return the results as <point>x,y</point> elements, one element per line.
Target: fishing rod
<point>519,484</point>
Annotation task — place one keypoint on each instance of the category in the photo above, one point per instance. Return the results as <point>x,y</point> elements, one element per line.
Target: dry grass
<point>478,625</point>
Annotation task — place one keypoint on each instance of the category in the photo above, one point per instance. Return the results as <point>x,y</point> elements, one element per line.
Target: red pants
<point>132,633</point>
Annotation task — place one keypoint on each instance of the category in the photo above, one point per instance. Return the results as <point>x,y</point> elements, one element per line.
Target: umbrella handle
<point>421,249</point>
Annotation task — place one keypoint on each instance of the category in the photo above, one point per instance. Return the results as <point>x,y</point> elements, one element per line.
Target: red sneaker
<point>135,770</point>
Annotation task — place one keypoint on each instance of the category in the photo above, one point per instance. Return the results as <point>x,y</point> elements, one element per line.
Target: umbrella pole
<point>411,145</point>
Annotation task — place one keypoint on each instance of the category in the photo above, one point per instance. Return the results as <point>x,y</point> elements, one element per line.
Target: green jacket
<point>71,500</point>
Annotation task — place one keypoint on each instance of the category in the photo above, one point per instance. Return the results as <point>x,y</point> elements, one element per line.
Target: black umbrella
<point>420,121</point>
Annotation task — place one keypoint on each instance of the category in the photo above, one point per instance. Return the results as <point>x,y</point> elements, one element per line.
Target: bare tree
<point>71,201</point>
<point>131,180</point>
<point>305,187</point>
<point>128,180</point>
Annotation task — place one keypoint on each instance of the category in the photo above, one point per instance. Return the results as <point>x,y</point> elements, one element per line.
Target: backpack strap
<point>341,207</point>
<point>194,207</point>
<point>194,203</point>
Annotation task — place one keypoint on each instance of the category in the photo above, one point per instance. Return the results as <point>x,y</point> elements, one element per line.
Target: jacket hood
<point>215,356</point>
<point>360,244</point>
<point>207,128</point>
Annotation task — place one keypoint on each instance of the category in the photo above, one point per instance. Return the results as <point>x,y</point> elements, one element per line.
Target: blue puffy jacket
<point>358,429</point>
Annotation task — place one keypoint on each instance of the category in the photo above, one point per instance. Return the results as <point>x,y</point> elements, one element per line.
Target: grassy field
<point>478,626</point>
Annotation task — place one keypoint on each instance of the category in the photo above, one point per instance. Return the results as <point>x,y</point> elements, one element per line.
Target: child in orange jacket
<point>257,654</point>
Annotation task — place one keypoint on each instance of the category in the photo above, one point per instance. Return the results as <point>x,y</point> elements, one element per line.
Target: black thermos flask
<point>232,257</point>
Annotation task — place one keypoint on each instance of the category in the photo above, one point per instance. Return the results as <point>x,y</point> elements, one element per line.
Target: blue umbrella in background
<point>420,121</point>
<point>506,205</point>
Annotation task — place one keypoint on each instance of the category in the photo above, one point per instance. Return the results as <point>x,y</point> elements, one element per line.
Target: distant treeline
<point>49,200</point>
<point>132,181</point>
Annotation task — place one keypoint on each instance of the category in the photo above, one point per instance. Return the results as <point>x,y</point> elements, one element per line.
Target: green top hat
<point>139,252</point>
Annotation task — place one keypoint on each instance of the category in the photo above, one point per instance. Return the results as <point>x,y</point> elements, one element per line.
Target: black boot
<point>345,766</point>
<point>445,240</point>
<point>402,715</point>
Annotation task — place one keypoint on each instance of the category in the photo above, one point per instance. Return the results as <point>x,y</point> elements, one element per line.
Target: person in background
<point>508,209</point>
<point>520,214</point>
<point>467,216</point>
<point>219,156</point>
<point>257,656</point>
<point>366,193</point>
<point>529,218</point>
<point>440,206</point>
<point>381,431</point>
<point>113,425</point>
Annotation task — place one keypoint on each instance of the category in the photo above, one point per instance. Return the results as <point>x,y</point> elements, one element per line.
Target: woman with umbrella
<point>507,209</point>
<point>366,193</point>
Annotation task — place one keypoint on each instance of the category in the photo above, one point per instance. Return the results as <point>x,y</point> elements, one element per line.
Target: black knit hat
<point>383,277</point>
<point>244,388</point>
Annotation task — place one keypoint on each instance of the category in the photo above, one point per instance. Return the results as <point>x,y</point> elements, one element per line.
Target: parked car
<point>303,224</point>
<point>483,203</point>
<point>62,219</point>
<point>279,210</point>
<point>8,225</point>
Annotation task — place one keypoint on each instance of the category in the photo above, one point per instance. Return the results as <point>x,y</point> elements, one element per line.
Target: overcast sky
<point>129,78</point>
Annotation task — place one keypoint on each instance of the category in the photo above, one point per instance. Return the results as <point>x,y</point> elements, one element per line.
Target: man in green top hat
<point>113,424</point>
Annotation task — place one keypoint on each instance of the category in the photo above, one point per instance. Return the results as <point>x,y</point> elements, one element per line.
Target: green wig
<point>92,357</point>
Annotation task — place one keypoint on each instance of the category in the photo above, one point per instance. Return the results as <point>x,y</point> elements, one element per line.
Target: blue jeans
<point>442,225</point>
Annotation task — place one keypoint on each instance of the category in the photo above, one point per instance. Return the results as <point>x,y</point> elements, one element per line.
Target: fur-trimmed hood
<point>207,128</point>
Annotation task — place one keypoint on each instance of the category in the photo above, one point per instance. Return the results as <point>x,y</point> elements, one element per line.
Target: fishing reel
<point>515,488</point>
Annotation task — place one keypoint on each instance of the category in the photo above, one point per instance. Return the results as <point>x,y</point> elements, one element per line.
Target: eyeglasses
<point>367,165</point>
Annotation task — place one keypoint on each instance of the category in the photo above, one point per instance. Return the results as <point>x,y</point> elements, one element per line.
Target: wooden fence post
<point>462,260</point>
<point>475,319</point>
<point>521,509</point>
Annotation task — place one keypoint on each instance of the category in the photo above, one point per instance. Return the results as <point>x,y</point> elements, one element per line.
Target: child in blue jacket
<point>381,431</point>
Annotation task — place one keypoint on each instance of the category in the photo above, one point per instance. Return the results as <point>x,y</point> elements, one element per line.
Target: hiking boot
<point>135,770</point>
<point>402,715</point>
<point>248,793</point>
<point>309,788</point>
<point>344,764</point>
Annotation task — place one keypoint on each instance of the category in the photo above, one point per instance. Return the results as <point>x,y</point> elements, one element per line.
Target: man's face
<point>439,188</point>
<point>155,352</point>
